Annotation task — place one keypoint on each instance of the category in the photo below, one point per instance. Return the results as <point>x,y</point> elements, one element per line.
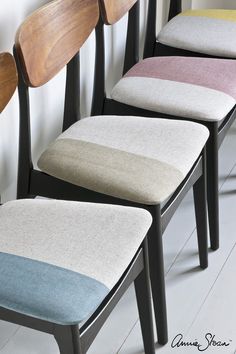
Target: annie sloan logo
<point>208,341</point>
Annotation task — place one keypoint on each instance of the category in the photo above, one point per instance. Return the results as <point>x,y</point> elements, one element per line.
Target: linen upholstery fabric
<point>139,159</point>
<point>60,259</point>
<point>205,31</point>
<point>47,292</point>
<point>195,88</point>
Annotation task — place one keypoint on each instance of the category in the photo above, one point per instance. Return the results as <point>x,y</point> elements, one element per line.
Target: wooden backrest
<point>113,10</point>
<point>8,79</point>
<point>50,37</point>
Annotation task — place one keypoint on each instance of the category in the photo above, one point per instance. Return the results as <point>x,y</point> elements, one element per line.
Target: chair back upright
<point>8,79</point>
<point>47,41</point>
<point>175,8</point>
<point>111,12</point>
<point>150,38</point>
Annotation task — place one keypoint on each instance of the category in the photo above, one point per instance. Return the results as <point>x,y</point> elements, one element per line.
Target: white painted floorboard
<point>198,301</point>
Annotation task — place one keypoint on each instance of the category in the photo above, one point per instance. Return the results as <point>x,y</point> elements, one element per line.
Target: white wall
<point>47,102</point>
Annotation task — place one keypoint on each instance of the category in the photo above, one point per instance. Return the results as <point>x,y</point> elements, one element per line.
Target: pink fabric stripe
<point>217,74</point>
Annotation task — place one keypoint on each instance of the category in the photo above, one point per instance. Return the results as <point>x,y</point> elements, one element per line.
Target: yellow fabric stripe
<point>220,14</point>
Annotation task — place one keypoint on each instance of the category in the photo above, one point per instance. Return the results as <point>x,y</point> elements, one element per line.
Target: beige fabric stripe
<point>110,171</point>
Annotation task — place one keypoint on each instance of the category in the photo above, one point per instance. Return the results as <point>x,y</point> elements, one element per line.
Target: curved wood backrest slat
<point>50,37</point>
<point>8,79</point>
<point>113,10</point>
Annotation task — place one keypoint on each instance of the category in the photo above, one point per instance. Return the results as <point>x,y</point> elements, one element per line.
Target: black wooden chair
<point>117,160</point>
<point>65,265</point>
<point>196,89</point>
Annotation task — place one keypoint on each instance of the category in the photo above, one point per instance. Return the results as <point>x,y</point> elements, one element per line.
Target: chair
<point>204,32</point>
<point>65,265</point>
<point>196,89</point>
<point>131,161</point>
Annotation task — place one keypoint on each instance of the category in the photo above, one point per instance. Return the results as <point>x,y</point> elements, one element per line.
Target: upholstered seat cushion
<point>139,159</point>
<point>59,260</point>
<point>206,31</point>
<point>197,88</point>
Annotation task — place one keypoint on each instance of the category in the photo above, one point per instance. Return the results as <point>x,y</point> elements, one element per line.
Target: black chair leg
<point>143,295</point>
<point>68,339</point>
<point>157,275</point>
<point>200,198</point>
<point>212,186</point>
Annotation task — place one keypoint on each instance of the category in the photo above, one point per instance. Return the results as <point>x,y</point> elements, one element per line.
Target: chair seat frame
<point>75,340</point>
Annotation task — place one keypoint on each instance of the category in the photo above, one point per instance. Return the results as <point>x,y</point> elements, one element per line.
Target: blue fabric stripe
<point>48,292</point>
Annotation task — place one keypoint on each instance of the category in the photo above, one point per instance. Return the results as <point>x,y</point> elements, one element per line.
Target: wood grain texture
<point>8,79</point>
<point>50,37</point>
<point>113,10</point>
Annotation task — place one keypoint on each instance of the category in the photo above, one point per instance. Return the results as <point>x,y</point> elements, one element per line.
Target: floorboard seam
<point>227,177</point>
<point>211,288</point>
<point>178,254</point>
<point>122,344</point>
<point>180,251</point>
<point>6,343</point>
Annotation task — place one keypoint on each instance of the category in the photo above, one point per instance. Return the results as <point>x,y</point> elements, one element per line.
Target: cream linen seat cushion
<point>60,259</point>
<point>138,159</point>
<point>195,88</point>
<point>208,31</point>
